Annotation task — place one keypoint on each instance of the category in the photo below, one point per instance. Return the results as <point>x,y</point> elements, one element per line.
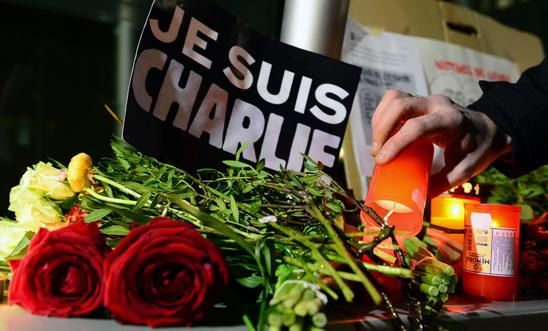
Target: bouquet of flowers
<point>155,245</point>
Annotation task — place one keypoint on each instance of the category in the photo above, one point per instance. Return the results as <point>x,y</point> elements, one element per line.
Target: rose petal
<point>177,275</point>
<point>61,273</point>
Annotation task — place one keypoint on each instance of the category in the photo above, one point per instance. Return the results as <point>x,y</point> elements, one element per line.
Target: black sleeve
<point>521,111</point>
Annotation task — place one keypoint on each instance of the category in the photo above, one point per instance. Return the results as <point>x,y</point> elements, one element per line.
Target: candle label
<point>488,250</point>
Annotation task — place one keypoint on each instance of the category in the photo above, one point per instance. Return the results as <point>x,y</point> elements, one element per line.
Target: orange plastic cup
<point>398,190</point>
<point>491,251</point>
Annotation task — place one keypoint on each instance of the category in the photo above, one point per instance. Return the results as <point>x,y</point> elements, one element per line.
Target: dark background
<point>60,62</point>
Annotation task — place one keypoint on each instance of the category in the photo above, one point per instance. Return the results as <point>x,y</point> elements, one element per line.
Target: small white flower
<point>268,219</point>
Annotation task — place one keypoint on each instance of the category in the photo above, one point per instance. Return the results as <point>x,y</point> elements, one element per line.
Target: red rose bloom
<point>75,215</point>
<point>61,274</point>
<point>163,273</point>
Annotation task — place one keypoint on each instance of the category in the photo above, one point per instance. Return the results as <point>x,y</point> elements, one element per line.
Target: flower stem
<point>347,292</point>
<point>317,268</point>
<point>213,223</point>
<point>117,185</point>
<point>109,199</point>
<point>340,248</point>
<point>390,271</point>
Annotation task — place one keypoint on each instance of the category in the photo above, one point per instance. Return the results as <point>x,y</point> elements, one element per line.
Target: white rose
<point>11,234</point>
<point>50,181</point>
<point>32,210</point>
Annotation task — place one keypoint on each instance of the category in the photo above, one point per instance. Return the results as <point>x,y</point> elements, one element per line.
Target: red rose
<point>163,273</point>
<point>75,215</point>
<point>61,274</point>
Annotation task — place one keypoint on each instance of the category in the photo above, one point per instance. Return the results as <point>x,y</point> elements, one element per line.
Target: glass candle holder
<point>447,210</point>
<point>397,191</point>
<point>491,251</point>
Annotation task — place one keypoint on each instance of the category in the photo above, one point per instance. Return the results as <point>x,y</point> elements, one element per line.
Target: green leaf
<point>124,163</point>
<point>213,223</point>
<point>535,191</point>
<point>141,202</point>
<point>115,230</point>
<point>113,242</point>
<point>314,191</point>
<point>248,188</point>
<point>234,209</point>
<point>236,164</point>
<point>4,267</point>
<point>20,250</point>
<point>220,203</point>
<point>248,324</point>
<point>334,207</point>
<point>155,201</point>
<point>136,187</point>
<point>240,150</point>
<point>139,218</point>
<point>97,215</point>
<point>526,213</point>
<point>310,166</point>
<point>260,165</point>
<point>267,255</point>
<point>252,281</point>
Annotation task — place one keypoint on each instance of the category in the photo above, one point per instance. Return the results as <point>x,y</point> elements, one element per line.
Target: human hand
<point>471,139</point>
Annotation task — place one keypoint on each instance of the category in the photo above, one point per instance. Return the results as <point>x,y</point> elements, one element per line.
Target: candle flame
<point>456,209</point>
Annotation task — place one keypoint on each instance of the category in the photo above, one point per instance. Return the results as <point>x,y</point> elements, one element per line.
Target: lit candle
<point>491,251</point>
<point>397,191</point>
<point>447,211</point>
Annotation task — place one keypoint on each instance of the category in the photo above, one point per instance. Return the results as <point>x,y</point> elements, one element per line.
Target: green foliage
<point>263,222</point>
<point>281,233</point>
<point>529,191</point>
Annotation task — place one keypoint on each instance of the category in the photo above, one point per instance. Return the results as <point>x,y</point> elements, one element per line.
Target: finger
<point>468,144</point>
<point>423,126</point>
<point>439,183</point>
<point>395,111</point>
<point>471,165</point>
<point>386,99</point>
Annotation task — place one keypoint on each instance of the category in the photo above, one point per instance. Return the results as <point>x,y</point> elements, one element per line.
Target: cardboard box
<point>452,23</point>
<point>441,21</point>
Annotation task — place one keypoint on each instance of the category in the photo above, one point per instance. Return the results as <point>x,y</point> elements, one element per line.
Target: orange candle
<point>491,251</point>
<point>447,210</point>
<point>397,191</point>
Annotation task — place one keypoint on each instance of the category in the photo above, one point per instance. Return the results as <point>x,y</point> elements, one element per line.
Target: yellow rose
<point>11,234</point>
<point>33,211</point>
<point>79,171</point>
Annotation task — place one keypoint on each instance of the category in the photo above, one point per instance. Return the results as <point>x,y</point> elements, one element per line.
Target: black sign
<point>203,85</point>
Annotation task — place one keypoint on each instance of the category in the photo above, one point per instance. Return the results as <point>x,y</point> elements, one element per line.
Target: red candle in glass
<point>447,210</point>
<point>398,189</point>
<point>491,251</point>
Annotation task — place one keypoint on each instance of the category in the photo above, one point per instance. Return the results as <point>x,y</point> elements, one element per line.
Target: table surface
<point>462,313</point>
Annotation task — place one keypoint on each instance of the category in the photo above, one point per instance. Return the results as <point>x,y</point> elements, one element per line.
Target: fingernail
<point>382,157</point>
<point>374,149</point>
